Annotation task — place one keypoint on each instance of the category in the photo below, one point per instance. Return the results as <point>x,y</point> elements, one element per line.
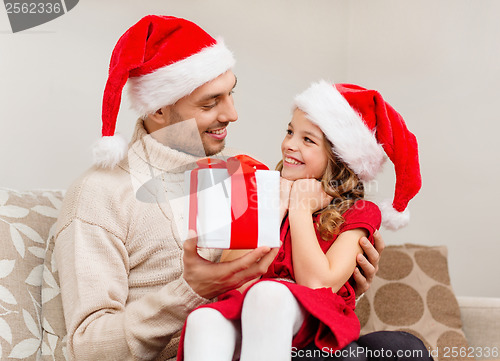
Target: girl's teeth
<point>292,161</point>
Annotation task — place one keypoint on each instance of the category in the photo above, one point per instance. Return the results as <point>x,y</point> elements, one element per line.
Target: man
<point>127,280</point>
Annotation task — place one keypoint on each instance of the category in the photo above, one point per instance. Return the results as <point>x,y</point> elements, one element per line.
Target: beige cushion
<point>481,324</point>
<point>26,219</point>
<point>412,293</point>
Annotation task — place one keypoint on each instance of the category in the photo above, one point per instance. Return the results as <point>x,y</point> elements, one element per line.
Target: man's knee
<point>401,345</point>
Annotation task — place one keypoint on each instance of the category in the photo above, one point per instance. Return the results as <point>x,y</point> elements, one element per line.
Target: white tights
<point>270,317</point>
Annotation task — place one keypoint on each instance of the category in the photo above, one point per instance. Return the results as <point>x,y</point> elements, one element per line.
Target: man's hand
<point>210,279</point>
<point>368,264</point>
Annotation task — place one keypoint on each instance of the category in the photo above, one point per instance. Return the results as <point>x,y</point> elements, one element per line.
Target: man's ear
<point>161,117</point>
<point>157,120</point>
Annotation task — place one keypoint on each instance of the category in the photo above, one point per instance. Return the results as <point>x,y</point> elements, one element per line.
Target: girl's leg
<point>209,336</point>
<point>271,316</point>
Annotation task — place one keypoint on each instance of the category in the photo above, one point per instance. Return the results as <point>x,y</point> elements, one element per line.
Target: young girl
<point>332,145</point>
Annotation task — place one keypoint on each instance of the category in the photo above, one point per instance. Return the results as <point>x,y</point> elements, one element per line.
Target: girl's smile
<point>291,161</point>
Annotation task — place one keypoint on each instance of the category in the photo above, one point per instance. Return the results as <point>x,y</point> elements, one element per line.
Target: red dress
<point>330,321</point>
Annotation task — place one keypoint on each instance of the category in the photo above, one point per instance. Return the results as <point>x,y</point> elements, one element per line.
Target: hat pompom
<point>109,151</point>
<point>391,218</point>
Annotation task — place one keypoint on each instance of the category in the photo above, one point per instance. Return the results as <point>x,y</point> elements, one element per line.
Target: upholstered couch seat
<point>412,291</point>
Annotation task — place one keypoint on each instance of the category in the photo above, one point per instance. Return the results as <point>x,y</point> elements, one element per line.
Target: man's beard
<point>184,136</point>
<point>211,151</point>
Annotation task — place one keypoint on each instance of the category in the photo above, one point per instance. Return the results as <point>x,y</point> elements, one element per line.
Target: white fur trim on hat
<point>391,218</point>
<point>166,85</point>
<point>109,151</point>
<point>352,140</point>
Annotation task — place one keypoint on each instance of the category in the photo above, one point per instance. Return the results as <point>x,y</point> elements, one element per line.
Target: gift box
<point>233,204</point>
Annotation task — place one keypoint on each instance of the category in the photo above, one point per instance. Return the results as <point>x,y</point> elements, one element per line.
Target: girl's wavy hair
<point>343,185</point>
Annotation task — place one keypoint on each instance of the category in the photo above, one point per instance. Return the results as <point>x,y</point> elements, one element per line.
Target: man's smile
<point>219,133</point>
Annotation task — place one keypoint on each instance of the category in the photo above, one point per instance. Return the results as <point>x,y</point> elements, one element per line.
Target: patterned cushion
<point>26,221</point>
<point>412,293</point>
<point>54,328</point>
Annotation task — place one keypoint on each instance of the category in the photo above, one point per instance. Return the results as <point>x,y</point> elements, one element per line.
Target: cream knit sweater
<point>119,256</point>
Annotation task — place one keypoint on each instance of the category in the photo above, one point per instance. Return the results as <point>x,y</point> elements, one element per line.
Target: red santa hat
<point>163,58</point>
<point>363,129</point>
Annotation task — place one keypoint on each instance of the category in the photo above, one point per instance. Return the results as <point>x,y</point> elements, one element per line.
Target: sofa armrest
<point>481,322</point>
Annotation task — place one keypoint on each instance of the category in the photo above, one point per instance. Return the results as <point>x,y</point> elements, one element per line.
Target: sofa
<point>412,292</point>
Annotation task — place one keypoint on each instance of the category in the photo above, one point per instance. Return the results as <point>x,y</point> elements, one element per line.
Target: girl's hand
<point>308,195</point>
<point>285,188</point>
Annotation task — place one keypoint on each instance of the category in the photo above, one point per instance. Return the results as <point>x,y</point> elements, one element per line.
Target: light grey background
<point>436,62</point>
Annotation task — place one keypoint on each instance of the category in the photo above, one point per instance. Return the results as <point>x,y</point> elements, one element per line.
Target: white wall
<point>435,62</point>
